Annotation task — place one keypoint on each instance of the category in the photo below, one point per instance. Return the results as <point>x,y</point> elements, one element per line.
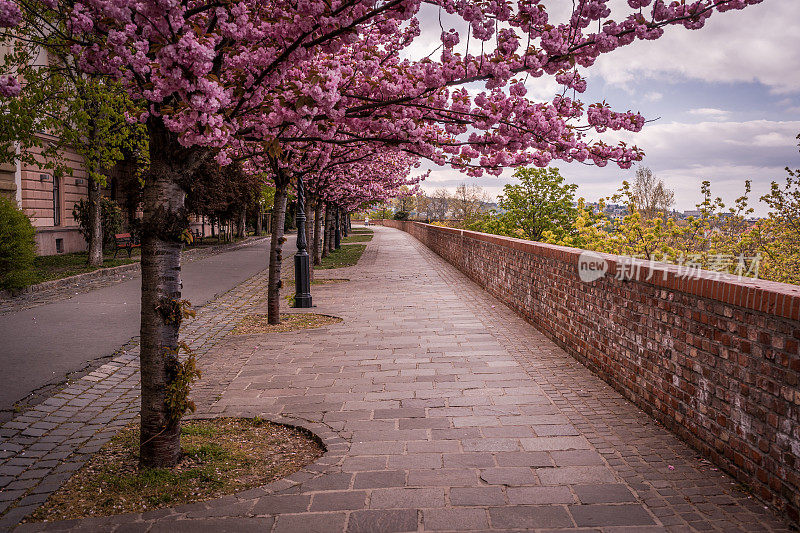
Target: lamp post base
<point>302,280</point>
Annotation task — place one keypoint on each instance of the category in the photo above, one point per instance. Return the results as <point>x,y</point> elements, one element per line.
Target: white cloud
<point>705,141</point>
<point>772,139</point>
<point>754,44</point>
<point>710,112</point>
<point>653,96</point>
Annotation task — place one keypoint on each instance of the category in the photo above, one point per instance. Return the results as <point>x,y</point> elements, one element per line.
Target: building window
<point>56,200</point>
<point>59,246</point>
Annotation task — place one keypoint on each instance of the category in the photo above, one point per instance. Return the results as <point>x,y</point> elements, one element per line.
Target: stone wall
<point>712,357</point>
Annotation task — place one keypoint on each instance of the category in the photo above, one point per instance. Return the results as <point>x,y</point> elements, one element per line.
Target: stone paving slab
<point>441,410</point>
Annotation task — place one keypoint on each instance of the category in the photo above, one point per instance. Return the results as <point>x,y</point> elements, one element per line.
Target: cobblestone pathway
<point>443,411</point>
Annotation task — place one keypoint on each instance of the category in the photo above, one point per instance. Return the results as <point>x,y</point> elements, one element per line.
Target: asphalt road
<point>42,345</point>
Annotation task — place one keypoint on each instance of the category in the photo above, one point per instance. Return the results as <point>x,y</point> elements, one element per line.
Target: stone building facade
<point>47,197</point>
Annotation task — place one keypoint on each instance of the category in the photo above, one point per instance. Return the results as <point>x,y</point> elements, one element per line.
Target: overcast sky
<point>726,99</point>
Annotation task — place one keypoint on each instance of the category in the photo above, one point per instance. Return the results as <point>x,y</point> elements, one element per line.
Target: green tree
<point>779,235</point>
<point>720,238</point>
<point>494,223</point>
<point>404,202</point>
<point>111,219</point>
<point>62,108</point>
<point>17,246</point>
<point>540,202</point>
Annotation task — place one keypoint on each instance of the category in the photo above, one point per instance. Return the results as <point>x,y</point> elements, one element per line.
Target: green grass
<point>343,257</point>
<point>200,431</point>
<point>362,231</point>
<point>50,267</point>
<point>357,238</point>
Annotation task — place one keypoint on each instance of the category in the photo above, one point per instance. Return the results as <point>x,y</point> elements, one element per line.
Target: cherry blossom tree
<point>283,74</point>
<point>332,172</point>
<point>374,177</point>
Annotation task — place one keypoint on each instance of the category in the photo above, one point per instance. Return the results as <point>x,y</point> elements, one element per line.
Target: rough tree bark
<point>332,229</point>
<point>309,220</point>
<point>95,225</point>
<point>310,225</point>
<point>326,231</point>
<point>259,216</point>
<point>318,229</point>
<point>241,224</point>
<point>164,219</point>
<point>337,229</point>
<point>95,213</point>
<point>276,248</point>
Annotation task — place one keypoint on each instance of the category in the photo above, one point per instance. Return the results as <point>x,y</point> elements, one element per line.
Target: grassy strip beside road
<point>343,257</point>
<point>357,238</point>
<point>51,267</point>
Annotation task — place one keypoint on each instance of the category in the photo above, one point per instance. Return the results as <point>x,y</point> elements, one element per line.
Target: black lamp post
<point>302,268</point>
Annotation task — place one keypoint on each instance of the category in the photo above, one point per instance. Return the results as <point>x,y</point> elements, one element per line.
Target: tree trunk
<point>161,284</point>
<point>318,229</point>
<point>241,225</point>
<point>332,236</point>
<point>332,229</point>
<point>309,218</point>
<point>95,224</point>
<point>311,224</point>
<point>276,251</point>
<point>337,236</point>
<point>326,231</point>
<point>164,219</point>
<point>259,216</point>
<point>345,229</point>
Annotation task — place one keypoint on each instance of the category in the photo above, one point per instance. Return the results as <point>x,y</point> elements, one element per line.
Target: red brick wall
<point>712,357</point>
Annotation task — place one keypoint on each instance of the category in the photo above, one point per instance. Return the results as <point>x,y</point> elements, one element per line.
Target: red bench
<point>124,241</point>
